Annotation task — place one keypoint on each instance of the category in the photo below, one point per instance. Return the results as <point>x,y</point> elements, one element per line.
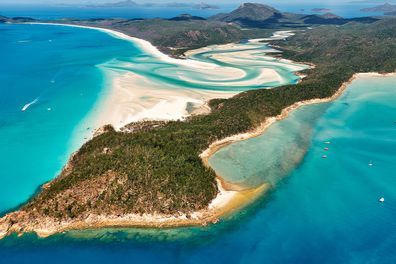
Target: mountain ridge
<point>264,16</point>
<point>249,11</point>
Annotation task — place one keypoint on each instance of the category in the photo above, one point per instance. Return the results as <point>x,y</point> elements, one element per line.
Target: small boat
<point>326,149</point>
<point>49,109</point>
<point>26,106</point>
<point>370,163</point>
<point>324,157</point>
<point>327,142</point>
<point>381,200</point>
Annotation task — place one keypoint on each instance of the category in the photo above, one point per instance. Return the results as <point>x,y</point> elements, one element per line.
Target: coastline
<point>226,202</point>
<point>217,145</point>
<point>124,103</point>
<point>141,43</point>
<point>229,198</point>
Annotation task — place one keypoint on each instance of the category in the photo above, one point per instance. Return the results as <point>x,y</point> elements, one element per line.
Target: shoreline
<point>123,104</point>
<point>224,204</point>
<point>217,145</point>
<point>226,201</point>
<point>141,43</point>
<point>229,199</point>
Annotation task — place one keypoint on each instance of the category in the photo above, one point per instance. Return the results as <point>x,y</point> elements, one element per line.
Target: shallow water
<point>270,157</point>
<point>232,68</point>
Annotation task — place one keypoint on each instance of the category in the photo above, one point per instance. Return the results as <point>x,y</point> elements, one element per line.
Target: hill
<point>385,8</point>
<point>186,17</point>
<point>331,19</point>
<point>249,12</point>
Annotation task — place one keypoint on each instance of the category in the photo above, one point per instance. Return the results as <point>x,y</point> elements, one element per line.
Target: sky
<point>219,2</point>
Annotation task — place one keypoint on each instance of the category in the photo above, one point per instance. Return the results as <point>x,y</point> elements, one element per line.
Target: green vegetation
<point>171,36</point>
<point>157,168</point>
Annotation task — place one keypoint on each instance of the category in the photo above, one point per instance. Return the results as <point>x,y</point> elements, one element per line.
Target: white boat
<point>381,200</point>
<point>26,106</point>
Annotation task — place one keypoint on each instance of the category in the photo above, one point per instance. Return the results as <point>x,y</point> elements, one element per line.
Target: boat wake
<point>26,106</point>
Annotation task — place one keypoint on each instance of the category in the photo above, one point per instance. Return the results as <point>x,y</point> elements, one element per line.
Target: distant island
<point>157,174</point>
<point>126,3</point>
<point>385,8</point>
<point>320,10</point>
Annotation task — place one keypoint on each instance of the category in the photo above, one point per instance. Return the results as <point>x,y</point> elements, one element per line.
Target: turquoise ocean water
<point>54,69</point>
<point>319,210</point>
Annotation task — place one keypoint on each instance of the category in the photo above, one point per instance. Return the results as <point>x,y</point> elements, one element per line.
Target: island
<point>385,8</point>
<point>320,10</point>
<point>156,174</point>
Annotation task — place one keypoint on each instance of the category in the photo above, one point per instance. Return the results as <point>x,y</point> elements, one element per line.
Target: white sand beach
<point>133,97</point>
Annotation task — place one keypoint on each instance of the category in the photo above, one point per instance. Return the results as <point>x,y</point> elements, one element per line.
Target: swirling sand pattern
<point>154,86</point>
